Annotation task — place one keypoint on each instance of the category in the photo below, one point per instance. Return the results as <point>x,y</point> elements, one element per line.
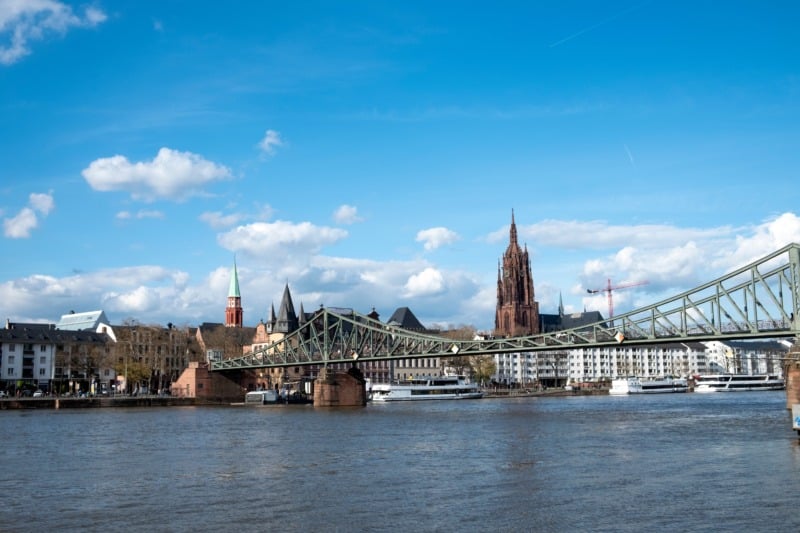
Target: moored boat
<point>738,382</point>
<point>634,385</point>
<point>296,392</point>
<point>261,397</point>
<point>426,388</point>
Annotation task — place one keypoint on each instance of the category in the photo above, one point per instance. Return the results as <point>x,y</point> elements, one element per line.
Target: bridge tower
<point>234,316</point>
<point>517,312</point>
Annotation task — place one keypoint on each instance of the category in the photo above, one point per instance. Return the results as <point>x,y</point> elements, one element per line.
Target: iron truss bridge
<point>760,300</point>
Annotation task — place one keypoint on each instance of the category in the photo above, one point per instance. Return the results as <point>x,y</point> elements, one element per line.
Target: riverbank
<point>95,402</point>
<point>525,393</point>
<point>168,401</point>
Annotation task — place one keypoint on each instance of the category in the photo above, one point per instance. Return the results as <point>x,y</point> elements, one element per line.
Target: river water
<point>674,462</point>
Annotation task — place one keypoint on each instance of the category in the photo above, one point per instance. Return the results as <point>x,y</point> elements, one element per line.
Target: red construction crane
<point>610,288</point>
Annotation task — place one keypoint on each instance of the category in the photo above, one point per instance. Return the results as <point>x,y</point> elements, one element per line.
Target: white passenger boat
<point>426,388</point>
<point>737,382</point>
<point>633,385</point>
<point>261,397</point>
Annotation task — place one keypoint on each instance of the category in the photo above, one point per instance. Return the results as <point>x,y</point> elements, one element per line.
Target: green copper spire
<point>233,291</point>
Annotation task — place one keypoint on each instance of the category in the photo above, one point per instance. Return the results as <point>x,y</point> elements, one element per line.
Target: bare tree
<point>152,356</point>
<point>457,363</point>
<point>483,368</point>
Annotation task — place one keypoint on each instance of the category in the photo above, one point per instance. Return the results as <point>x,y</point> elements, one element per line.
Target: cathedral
<point>517,311</point>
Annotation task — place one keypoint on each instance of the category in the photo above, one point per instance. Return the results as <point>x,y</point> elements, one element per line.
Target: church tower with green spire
<point>233,313</point>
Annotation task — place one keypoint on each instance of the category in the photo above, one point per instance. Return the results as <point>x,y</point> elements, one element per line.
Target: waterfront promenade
<point>66,402</point>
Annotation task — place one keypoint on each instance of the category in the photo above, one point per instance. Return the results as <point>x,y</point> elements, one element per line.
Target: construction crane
<point>609,289</point>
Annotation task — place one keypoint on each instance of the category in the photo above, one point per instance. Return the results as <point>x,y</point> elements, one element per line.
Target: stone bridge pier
<point>791,375</point>
<point>792,378</point>
<point>340,389</point>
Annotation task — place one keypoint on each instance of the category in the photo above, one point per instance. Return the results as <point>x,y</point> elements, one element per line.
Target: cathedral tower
<point>517,311</point>
<point>233,312</point>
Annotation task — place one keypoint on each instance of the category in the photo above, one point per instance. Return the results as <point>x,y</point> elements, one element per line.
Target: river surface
<point>673,462</point>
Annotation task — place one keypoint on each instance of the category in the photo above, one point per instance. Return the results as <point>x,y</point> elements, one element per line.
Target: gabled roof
<point>89,320</point>
<point>757,345</point>
<point>576,320</point>
<point>210,326</point>
<point>404,318</point>
<point>549,322</point>
<point>48,334</point>
<point>20,331</point>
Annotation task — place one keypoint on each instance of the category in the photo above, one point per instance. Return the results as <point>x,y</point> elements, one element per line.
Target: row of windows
<point>415,363</point>
<point>11,372</point>
<point>27,348</point>
<point>12,359</point>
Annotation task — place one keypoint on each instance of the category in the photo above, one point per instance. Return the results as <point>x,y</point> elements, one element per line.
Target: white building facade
<point>40,356</point>
<point>25,361</point>
<point>557,368</point>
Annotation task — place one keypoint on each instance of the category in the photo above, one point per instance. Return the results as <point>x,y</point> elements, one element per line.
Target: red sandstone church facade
<point>517,310</point>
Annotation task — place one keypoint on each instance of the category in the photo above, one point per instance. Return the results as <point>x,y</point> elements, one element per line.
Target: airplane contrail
<point>602,22</point>
<point>630,155</point>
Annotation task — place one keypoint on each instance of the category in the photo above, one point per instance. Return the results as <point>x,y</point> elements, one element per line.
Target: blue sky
<point>369,154</point>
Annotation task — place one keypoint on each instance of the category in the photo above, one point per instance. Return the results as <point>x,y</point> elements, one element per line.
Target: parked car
<point>38,394</point>
<point>3,394</point>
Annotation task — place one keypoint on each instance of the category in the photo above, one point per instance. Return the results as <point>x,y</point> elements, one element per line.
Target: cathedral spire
<point>512,238</point>
<point>517,311</point>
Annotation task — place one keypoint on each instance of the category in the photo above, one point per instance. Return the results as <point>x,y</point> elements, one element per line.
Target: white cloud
<point>137,300</point>
<point>153,294</point>
<point>436,237</point>
<point>21,225</point>
<point>598,234</point>
<point>141,292</point>
<point>766,238</point>
<point>170,175</point>
<point>346,214</point>
<point>429,281</point>
<point>24,21</point>
<point>670,266</point>
<point>43,203</point>
<point>280,238</point>
<point>141,214</point>
<point>217,220</point>
<point>144,213</point>
<point>290,252</point>
<point>271,141</point>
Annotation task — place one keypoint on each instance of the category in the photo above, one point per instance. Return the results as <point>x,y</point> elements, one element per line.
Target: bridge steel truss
<point>760,300</point>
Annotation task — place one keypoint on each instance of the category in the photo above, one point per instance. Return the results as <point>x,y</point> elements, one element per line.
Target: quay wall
<point>96,402</point>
